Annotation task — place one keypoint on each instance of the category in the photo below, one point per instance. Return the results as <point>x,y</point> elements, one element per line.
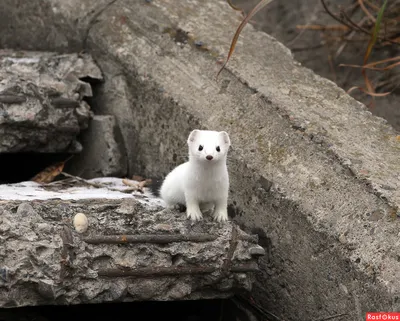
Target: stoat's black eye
<point>200,147</point>
<point>218,149</point>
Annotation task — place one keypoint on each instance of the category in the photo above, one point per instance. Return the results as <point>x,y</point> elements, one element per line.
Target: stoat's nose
<point>209,157</point>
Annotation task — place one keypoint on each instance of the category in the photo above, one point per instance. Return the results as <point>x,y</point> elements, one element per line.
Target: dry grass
<point>373,23</point>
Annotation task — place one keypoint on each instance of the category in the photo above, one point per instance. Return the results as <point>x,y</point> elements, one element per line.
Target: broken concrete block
<point>103,153</point>
<point>132,250</point>
<point>115,97</point>
<point>41,100</point>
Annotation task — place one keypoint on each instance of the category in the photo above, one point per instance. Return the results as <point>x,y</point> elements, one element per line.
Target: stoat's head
<point>208,146</point>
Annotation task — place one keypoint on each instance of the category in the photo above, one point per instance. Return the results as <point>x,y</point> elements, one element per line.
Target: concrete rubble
<point>133,249</point>
<point>41,100</point>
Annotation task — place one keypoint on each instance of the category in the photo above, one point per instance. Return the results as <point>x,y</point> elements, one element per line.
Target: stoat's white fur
<point>201,183</point>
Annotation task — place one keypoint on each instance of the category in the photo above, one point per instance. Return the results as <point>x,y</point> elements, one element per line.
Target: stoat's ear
<point>192,136</point>
<point>225,137</point>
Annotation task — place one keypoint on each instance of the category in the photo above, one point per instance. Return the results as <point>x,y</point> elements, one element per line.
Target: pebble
<point>81,223</point>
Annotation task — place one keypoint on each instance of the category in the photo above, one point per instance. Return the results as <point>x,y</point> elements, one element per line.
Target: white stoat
<point>203,182</point>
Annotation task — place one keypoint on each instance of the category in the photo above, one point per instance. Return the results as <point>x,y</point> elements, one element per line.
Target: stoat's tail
<point>155,186</point>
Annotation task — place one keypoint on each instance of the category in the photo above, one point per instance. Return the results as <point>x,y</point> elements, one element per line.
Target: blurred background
<point>323,38</point>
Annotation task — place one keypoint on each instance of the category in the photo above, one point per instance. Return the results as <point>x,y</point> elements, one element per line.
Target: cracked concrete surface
<point>132,250</point>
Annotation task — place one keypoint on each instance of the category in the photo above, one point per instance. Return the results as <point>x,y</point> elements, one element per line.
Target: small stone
<point>81,223</point>
<point>25,209</point>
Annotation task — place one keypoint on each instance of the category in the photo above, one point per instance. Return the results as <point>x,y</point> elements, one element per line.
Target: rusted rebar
<point>150,238</point>
<point>161,239</point>
<point>62,102</point>
<point>168,271</point>
<point>12,99</point>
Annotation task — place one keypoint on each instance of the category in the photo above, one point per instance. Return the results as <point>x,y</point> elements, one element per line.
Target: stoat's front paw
<point>194,214</point>
<point>221,215</point>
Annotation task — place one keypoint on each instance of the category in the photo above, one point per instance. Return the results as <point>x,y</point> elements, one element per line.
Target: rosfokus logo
<point>385,316</point>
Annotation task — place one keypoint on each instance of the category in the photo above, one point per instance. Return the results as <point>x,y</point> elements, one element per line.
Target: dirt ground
<point>318,50</point>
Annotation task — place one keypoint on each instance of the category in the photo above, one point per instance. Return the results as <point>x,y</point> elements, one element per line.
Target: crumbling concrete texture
<point>41,100</point>
<point>312,171</point>
<point>133,250</point>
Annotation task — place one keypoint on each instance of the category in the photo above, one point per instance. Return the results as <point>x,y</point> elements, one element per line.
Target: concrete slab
<point>96,241</point>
